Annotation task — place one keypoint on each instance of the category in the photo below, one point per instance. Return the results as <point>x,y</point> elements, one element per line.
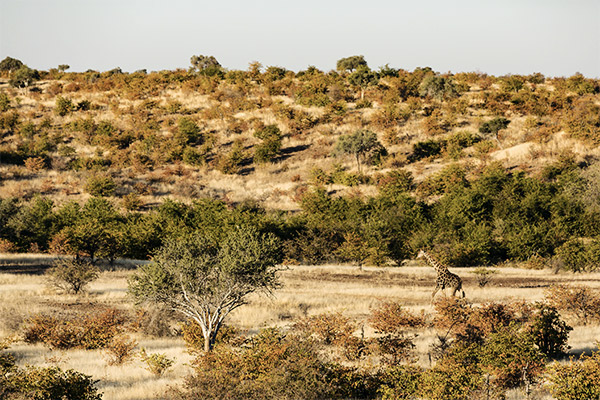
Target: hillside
<point>383,161</point>
<point>241,183</point>
<point>129,127</point>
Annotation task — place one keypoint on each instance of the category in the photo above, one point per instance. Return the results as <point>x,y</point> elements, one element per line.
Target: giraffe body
<point>444,279</point>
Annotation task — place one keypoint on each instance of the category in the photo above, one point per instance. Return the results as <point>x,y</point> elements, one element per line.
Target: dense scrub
<point>491,216</point>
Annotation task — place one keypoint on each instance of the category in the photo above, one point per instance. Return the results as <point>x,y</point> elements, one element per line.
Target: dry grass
<point>307,290</point>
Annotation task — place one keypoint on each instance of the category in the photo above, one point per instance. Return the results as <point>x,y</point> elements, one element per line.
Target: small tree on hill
<point>350,64</point>
<point>72,275</point>
<point>494,126</point>
<point>23,77</point>
<point>362,78</point>
<point>206,65</point>
<point>205,278</point>
<point>270,146</point>
<point>10,64</point>
<point>359,144</point>
<point>438,87</point>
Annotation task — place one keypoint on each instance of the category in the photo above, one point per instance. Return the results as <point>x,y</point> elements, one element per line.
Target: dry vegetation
<point>306,291</point>
<point>494,171</point>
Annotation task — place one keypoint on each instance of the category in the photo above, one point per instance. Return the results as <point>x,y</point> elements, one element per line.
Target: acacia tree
<point>359,144</point>
<point>362,78</point>
<point>205,278</point>
<point>349,64</point>
<point>10,64</point>
<point>206,65</point>
<point>438,87</point>
<point>23,77</point>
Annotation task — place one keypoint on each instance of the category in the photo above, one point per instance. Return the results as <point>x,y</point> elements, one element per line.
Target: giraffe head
<point>421,254</point>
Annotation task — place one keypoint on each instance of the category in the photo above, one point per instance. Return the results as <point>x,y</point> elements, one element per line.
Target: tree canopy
<point>358,144</point>
<point>10,64</point>
<point>350,64</point>
<point>205,278</point>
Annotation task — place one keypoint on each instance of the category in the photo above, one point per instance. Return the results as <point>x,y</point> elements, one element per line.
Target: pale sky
<point>498,37</point>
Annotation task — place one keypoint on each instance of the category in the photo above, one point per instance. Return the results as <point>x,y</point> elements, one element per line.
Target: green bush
<point>188,131</point>
<point>64,106</point>
<point>428,148</point>
<point>455,377</point>
<point>72,275</point>
<point>400,382</point>
<point>270,146</point>
<point>510,356</point>
<point>578,256</point>
<point>272,366</point>
<point>52,383</point>
<point>577,379</point>
<point>549,332</point>
<point>4,102</point>
<point>494,125</point>
<point>100,185</point>
<point>156,363</point>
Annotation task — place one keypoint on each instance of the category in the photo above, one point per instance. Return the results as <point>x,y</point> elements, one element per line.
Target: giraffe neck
<point>439,268</point>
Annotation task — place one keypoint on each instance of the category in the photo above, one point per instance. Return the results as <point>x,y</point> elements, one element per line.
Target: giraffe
<point>444,277</point>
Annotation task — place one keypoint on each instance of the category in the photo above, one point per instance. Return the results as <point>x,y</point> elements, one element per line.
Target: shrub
<point>64,106</point>
<point>400,382</point>
<point>511,357</point>
<point>390,320</point>
<point>270,146</point>
<point>333,330</point>
<point>120,350</point>
<point>363,103</point>
<point>494,126</point>
<point>449,178</point>
<point>100,185</point>
<point>231,162</point>
<point>470,324</point>
<point>451,378</point>
<point>549,332</point>
<point>132,202</point>
<point>483,275</point>
<point>582,119</point>
<point>394,183</point>
<point>272,366</point>
<point>188,131</point>
<point>4,102</point>
<point>193,156</point>
<point>72,275</point>
<point>53,383</point>
<point>580,301</point>
<point>425,149</point>
<point>35,164</point>
<point>6,246</point>
<point>90,332</point>
<point>577,256</point>
<point>329,329</point>
<point>156,363</point>
<point>576,380</point>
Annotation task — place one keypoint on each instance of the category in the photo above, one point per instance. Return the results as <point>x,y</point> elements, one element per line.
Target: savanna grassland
<point>346,174</point>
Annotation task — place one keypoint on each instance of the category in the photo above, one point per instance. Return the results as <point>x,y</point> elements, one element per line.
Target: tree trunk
<point>207,344</point>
